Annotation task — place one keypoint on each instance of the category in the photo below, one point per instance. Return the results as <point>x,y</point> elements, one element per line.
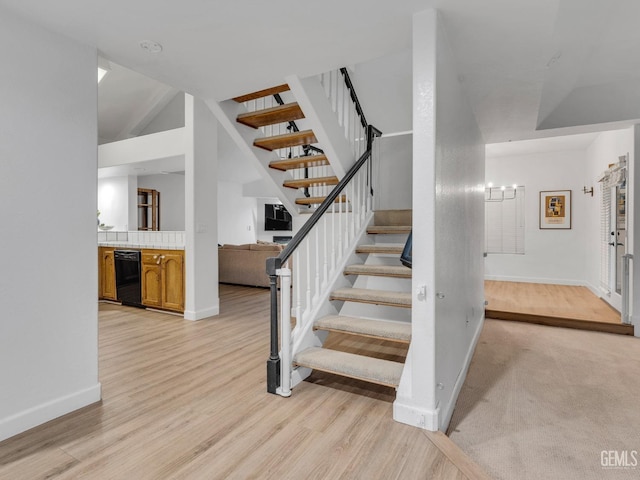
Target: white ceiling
<point>529,66</point>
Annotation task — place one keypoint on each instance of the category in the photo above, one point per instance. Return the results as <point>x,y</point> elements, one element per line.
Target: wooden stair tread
<point>369,369</point>
<point>315,200</point>
<point>304,137</point>
<point>309,182</point>
<point>382,329</point>
<point>299,162</point>
<point>382,229</point>
<point>269,116</point>
<point>262,93</point>
<point>396,271</point>
<point>376,297</point>
<point>392,249</point>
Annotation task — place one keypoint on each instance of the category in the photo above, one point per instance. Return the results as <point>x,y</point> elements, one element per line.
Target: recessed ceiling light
<point>150,46</point>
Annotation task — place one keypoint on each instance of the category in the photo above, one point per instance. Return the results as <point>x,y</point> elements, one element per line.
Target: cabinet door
<point>151,289</point>
<point>107,275</point>
<point>173,280</point>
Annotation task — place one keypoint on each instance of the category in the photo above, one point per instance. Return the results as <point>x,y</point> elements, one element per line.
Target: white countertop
<point>140,246</point>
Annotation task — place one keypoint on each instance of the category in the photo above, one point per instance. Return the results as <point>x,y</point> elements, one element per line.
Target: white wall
<point>383,86</point>
<point>171,188</point>
<point>170,117</point>
<point>201,211</point>
<point>551,256</point>
<point>448,226</point>
<point>237,215</point>
<point>48,171</point>
<point>394,173</point>
<point>113,202</point>
<point>459,226</point>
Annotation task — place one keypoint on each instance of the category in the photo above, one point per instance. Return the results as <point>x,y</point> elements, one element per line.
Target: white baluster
<point>296,286</point>
<point>308,285</point>
<point>333,236</point>
<point>285,332</point>
<point>325,254</point>
<point>317,266</point>
<point>351,196</point>
<point>340,227</point>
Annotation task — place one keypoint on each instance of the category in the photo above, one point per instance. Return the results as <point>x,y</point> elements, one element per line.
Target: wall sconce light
<point>585,191</point>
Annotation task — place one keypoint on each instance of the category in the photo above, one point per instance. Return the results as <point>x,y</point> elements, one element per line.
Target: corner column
<point>201,211</point>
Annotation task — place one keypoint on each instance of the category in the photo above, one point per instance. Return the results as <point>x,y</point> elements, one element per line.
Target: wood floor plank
<point>187,400</point>
<point>566,306</point>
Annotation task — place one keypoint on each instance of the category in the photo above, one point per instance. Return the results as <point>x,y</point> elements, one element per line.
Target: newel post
<point>273,364</point>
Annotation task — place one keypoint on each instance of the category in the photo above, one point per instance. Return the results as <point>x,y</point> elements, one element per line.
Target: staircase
<point>380,268</point>
<point>307,166</point>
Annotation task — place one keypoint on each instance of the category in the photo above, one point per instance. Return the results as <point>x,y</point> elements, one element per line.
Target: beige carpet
<point>544,402</point>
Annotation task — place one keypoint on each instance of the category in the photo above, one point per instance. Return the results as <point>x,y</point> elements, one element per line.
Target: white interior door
<point>617,243</point>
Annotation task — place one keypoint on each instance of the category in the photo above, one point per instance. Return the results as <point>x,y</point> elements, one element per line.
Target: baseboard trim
<point>416,416</point>
<point>203,313</point>
<point>550,281</point>
<point>448,412</point>
<point>45,412</point>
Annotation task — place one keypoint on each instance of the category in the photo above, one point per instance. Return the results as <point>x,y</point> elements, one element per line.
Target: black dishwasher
<point>128,277</point>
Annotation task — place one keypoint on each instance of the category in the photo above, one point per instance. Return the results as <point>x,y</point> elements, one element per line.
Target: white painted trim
<point>448,411</point>
<point>551,281</point>
<point>310,95</point>
<point>416,416</point>
<point>45,412</point>
<point>202,313</point>
<point>154,146</point>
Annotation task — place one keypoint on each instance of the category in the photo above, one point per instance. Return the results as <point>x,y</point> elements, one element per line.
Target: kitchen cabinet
<point>163,279</point>
<point>106,274</point>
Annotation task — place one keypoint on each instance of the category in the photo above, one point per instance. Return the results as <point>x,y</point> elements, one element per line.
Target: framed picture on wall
<point>555,209</point>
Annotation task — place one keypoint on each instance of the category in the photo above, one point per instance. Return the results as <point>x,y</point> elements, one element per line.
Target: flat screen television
<point>276,218</point>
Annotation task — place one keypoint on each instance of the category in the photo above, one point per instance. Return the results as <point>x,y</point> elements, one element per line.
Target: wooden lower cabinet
<point>106,274</point>
<point>163,279</point>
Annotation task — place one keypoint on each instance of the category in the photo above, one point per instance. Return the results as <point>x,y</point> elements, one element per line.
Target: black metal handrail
<point>354,97</point>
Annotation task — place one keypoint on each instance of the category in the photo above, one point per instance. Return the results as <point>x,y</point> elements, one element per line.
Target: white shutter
<point>504,220</point>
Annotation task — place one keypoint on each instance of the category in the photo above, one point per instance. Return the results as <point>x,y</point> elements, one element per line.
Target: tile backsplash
<point>143,239</point>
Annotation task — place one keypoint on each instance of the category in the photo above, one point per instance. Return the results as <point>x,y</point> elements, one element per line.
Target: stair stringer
<point>303,335</point>
<point>317,109</point>
<point>226,112</point>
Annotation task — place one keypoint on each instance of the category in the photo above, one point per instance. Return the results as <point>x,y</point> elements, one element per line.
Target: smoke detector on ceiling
<point>150,46</point>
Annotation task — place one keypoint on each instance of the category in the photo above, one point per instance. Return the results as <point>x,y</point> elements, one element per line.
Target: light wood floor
<point>556,305</point>
<point>187,400</point>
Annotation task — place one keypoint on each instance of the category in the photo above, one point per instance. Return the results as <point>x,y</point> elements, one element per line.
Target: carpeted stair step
<point>395,271</point>
<point>270,116</point>
<point>299,162</point>
<point>304,137</point>
<point>373,370</point>
<point>382,329</point>
<point>316,200</point>
<point>389,229</point>
<point>376,297</point>
<point>392,249</point>
<point>262,93</point>
<point>310,182</point>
